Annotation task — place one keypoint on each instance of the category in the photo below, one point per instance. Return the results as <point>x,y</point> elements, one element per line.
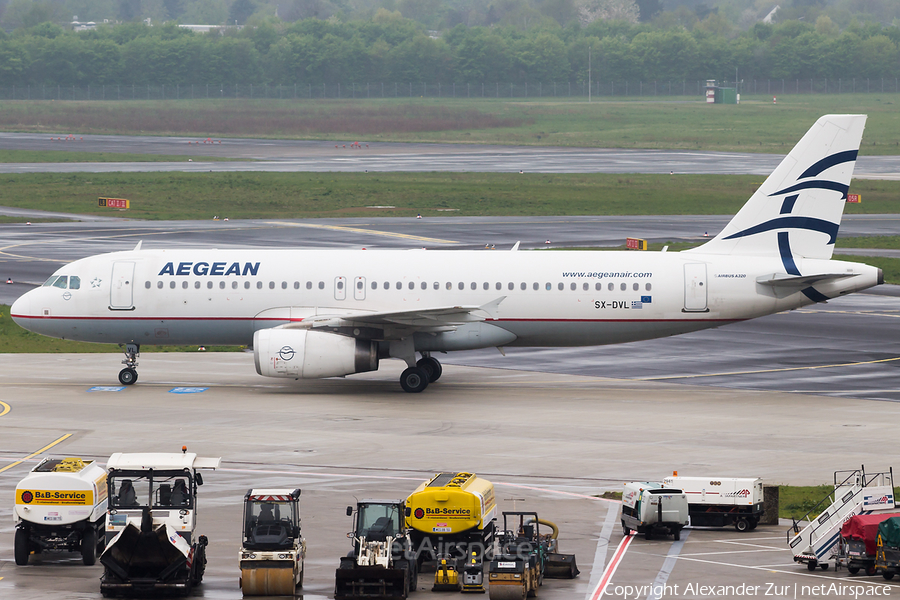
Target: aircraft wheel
<point>89,546</point>
<point>432,367</point>
<point>414,380</point>
<point>21,546</point>
<point>127,376</point>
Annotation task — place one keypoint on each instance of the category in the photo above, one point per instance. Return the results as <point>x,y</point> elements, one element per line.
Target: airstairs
<point>855,493</point>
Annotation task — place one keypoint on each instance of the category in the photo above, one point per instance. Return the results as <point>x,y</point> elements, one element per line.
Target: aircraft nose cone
<point>21,309</point>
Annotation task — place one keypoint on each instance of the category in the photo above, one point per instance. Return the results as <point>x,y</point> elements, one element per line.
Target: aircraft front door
<point>359,288</point>
<point>121,288</point>
<point>695,297</point>
<point>340,288</point>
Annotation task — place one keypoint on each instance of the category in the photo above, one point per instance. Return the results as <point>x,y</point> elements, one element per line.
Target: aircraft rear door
<point>359,288</point>
<point>121,288</point>
<point>695,297</point>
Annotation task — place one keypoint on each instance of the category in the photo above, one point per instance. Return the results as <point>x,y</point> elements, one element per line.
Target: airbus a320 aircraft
<point>327,313</point>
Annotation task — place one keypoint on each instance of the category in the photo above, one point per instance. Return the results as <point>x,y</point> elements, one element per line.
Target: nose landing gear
<point>128,375</point>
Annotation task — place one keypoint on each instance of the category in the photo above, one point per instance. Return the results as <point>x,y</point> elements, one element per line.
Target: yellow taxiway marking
<point>405,236</point>
<point>33,454</point>
<point>5,408</point>
<point>853,364</point>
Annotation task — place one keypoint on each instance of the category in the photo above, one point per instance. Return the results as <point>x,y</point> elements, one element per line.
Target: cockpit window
<point>50,281</point>
<point>74,282</point>
<point>61,282</point>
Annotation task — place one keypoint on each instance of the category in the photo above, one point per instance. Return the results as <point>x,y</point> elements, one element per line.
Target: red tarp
<point>865,527</point>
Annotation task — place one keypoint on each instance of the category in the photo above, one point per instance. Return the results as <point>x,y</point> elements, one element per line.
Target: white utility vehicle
<point>61,507</point>
<point>152,544</point>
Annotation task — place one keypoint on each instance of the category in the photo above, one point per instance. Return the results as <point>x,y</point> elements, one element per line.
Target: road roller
<point>273,551</point>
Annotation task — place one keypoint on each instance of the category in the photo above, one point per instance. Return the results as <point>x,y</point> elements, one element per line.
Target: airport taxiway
<point>552,442</point>
<point>299,155</point>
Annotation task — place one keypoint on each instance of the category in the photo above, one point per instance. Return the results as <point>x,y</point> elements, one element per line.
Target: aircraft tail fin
<point>797,211</point>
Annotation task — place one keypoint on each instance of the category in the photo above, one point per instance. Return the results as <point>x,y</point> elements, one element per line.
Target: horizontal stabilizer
<point>786,280</point>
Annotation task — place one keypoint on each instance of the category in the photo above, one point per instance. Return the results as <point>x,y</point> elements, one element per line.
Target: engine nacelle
<point>303,354</point>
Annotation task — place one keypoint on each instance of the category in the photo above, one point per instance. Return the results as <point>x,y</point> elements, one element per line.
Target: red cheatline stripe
<point>350,317</point>
<point>612,566</point>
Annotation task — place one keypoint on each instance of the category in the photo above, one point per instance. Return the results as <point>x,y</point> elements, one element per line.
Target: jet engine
<point>303,354</point>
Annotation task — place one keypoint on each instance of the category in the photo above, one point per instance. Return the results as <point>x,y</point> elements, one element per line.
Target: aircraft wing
<point>786,280</point>
<point>435,319</point>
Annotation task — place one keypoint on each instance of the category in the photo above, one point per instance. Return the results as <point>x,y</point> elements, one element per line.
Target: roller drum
<point>268,582</point>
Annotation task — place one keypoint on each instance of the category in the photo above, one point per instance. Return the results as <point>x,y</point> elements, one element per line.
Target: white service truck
<point>152,544</point>
<point>650,509</point>
<point>61,507</point>
<point>721,501</point>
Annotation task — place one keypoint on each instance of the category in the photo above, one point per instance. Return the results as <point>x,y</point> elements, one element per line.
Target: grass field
<point>756,125</point>
<point>168,196</point>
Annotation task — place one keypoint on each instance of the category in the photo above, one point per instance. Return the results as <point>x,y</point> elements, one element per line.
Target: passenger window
<point>246,285</point>
<point>359,285</point>
<point>284,285</point>
<point>74,282</point>
<point>548,286</point>
<point>473,285</point>
<point>437,285</point>
<point>648,287</point>
<point>498,285</point>
<point>221,285</point>
<point>62,282</point>
<point>412,285</point>
<point>296,285</point>
<point>387,285</point>
<point>511,286</point>
<point>449,286</point>
<point>50,281</point>
<point>209,285</point>
<point>159,285</point>
<point>536,286</point>
<point>234,285</point>
<point>271,285</point>
<point>611,286</point>
<point>171,285</point>
<point>321,285</point>
<point>523,286</point>
<point>461,285</point>
<point>585,287</point>
<point>374,285</point>
<point>399,285</point>
<point>184,285</point>
<point>309,285</point>
<point>259,285</point>
<point>340,285</point>
<point>623,286</point>
<point>197,285</point>
<point>424,286</point>
<point>636,287</point>
<point>147,284</point>
<point>598,286</point>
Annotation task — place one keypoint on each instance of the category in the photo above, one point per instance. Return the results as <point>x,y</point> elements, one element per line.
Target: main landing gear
<point>128,375</point>
<point>416,379</point>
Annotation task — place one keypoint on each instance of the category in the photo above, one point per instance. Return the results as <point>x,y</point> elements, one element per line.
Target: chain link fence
<point>631,89</point>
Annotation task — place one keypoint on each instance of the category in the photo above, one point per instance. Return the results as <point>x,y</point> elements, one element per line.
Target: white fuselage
<point>546,298</point>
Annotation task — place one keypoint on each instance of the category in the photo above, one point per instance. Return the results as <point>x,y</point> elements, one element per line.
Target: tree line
<point>391,48</point>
